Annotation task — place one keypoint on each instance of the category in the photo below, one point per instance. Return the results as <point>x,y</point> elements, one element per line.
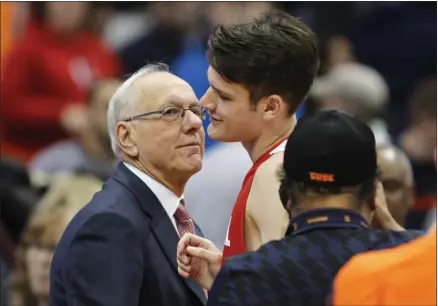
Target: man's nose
<point>191,123</point>
<point>207,101</point>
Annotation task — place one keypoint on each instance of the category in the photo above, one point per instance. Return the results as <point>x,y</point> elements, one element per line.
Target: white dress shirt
<point>166,197</point>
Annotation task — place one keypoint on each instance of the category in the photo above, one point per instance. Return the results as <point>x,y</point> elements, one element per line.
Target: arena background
<point>378,61</point>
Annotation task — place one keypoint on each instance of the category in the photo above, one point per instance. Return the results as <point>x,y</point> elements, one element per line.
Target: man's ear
<point>127,138</point>
<point>273,106</point>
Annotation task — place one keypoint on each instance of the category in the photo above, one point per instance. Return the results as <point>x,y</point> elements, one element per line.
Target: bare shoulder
<point>269,169</point>
<point>266,183</point>
<point>264,206</point>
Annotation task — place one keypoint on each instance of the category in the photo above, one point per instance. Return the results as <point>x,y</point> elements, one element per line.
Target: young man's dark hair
<point>274,54</point>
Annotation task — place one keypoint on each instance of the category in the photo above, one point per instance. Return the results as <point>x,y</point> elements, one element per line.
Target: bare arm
<point>264,207</point>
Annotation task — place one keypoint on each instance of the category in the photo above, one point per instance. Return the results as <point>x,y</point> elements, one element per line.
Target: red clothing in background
<point>41,75</point>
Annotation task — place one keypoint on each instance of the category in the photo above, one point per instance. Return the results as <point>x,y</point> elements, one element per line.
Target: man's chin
<point>196,166</point>
<point>189,171</point>
<point>217,135</point>
<point>192,164</point>
<point>223,138</point>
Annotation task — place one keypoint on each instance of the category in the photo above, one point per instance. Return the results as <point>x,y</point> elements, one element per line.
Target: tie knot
<point>181,212</point>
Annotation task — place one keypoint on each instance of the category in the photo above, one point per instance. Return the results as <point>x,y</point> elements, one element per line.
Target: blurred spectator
<point>419,141</point>
<point>124,27</point>
<point>12,21</point>
<point>17,198</point>
<point>7,11</point>
<point>91,152</point>
<point>397,180</point>
<point>46,76</point>
<point>325,18</point>
<point>357,89</point>
<point>29,283</point>
<point>339,51</point>
<point>399,39</point>
<point>102,12</point>
<point>164,42</point>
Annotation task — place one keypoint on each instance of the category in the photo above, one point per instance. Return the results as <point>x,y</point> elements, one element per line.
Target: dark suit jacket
<point>120,250</point>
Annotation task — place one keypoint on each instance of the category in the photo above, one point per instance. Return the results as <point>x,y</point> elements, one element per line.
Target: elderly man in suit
<point>120,250</point>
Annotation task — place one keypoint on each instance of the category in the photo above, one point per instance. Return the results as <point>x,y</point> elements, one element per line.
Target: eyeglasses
<point>172,113</point>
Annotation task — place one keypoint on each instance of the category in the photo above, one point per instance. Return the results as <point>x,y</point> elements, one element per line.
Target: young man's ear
<point>273,106</point>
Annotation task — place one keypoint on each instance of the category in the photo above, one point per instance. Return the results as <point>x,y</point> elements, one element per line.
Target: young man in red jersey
<point>260,73</point>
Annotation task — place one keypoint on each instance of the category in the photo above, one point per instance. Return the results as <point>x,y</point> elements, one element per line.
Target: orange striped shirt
<point>404,275</point>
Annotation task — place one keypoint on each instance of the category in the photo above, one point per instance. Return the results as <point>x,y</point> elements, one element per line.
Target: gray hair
<point>121,106</point>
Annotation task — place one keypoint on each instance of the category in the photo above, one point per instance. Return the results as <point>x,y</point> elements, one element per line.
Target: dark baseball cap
<point>330,148</point>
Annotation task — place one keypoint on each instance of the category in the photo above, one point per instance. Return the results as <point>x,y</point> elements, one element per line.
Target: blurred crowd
<point>62,61</point>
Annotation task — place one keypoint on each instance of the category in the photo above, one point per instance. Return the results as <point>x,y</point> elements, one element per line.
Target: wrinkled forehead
<point>163,89</point>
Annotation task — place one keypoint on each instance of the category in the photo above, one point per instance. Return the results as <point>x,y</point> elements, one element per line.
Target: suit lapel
<point>198,231</point>
<point>162,227</point>
<point>168,239</point>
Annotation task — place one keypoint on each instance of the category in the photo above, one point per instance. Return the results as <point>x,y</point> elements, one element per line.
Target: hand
<point>199,259</point>
<point>382,217</point>
<point>74,118</point>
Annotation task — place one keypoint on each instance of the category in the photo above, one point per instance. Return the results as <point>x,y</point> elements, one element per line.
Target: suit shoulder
<point>111,219</point>
<point>99,224</point>
<point>109,210</point>
<point>114,198</point>
<point>106,227</point>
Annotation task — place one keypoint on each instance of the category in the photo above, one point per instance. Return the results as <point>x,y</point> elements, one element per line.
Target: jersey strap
<point>281,147</point>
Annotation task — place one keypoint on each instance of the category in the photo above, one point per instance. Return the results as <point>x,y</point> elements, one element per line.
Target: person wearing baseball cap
<point>330,186</point>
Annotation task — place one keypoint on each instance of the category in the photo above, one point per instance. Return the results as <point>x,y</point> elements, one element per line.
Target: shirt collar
<point>167,198</point>
<point>326,218</point>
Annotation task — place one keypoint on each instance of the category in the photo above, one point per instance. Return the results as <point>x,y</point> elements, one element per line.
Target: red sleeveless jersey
<point>235,239</point>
